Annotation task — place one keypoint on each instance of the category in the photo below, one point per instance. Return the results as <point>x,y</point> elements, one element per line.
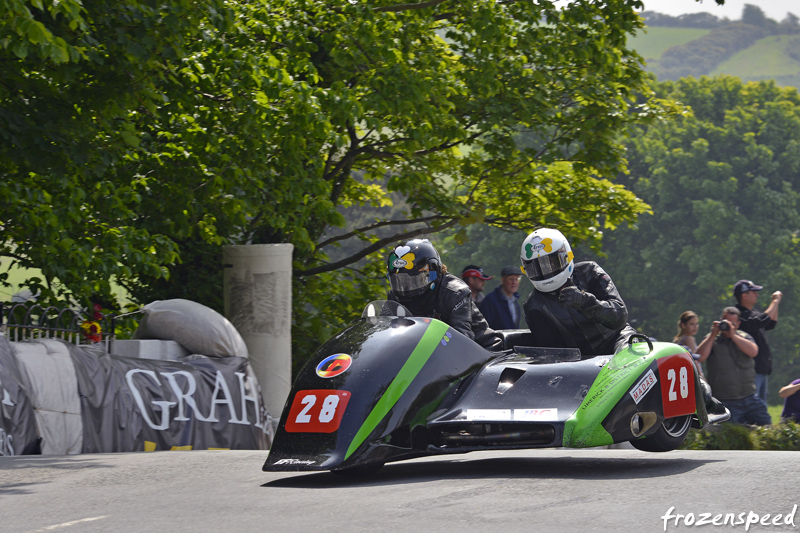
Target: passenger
<point>577,305</point>
<point>422,284</point>
<point>574,305</point>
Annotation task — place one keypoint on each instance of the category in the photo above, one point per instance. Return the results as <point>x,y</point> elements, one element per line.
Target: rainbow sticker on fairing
<point>334,365</point>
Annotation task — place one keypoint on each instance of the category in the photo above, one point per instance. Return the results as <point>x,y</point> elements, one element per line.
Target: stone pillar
<point>258,302</point>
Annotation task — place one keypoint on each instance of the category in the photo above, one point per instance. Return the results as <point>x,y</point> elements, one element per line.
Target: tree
<point>74,80</point>
<point>724,184</point>
<point>195,125</point>
<point>754,16</point>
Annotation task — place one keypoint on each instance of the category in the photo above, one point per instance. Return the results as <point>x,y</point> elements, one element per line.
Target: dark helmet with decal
<point>414,267</point>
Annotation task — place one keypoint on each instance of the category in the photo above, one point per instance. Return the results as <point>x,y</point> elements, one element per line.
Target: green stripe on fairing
<point>584,428</point>
<point>422,352</point>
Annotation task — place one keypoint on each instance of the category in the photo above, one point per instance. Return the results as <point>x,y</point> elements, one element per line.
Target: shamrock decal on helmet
<point>402,257</point>
<point>547,259</point>
<point>537,246</point>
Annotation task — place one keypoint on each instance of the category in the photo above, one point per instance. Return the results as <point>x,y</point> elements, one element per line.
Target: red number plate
<point>317,411</point>
<point>676,374</point>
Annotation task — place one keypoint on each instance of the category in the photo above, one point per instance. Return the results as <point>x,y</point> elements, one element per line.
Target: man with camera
<point>731,371</point>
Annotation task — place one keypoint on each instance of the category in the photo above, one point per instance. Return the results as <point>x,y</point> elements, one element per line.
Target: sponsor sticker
<point>489,414</point>
<point>536,415</point>
<point>295,462</point>
<point>334,365</point>
<point>446,338</point>
<point>643,387</point>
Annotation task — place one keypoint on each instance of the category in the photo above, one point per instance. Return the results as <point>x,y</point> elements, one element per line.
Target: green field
<point>17,275</point>
<point>775,412</point>
<point>655,41</point>
<point>767,59</point>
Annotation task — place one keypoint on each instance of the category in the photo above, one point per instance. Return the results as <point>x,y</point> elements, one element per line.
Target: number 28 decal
<point>317,411</point>
<point>677,385</point>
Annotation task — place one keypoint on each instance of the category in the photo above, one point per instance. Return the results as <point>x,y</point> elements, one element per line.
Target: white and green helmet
<point>547,259</point>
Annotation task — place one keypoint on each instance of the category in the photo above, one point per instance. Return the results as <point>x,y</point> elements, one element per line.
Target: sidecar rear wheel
<point>668,437</point>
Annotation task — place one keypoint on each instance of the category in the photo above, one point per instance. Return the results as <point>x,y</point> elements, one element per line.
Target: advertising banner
<point>131,404</point>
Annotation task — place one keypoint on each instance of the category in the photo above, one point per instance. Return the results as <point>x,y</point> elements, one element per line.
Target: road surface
<point>510,491</point>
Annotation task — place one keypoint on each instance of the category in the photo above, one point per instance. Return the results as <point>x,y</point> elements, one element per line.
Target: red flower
<point>92,331</point>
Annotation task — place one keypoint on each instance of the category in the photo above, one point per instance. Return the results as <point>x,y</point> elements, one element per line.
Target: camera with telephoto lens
<point>724,326</point>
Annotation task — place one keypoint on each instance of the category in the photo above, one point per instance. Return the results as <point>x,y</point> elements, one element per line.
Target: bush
<point>784,436</point>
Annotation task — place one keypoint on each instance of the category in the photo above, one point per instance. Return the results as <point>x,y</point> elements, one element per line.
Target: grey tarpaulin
<point>132,404</point>
<point>17,421</point>
<point>48,375</point>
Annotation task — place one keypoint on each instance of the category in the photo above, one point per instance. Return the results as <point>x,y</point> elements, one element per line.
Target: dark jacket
<point>756,323</point>
<point>731,373</point>
<point>495,309</point>
<point>598,329</point>
<point>450,302</point>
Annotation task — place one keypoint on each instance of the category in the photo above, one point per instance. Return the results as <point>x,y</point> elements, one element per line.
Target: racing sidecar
<point>392,387</point>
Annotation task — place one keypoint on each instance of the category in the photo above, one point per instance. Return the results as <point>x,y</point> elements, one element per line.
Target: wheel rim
<point>675,427</point>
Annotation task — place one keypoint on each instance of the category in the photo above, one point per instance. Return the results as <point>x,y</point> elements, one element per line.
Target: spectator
<point>791,402</point>
<point>474,277</point>
<point>421,283</point>
<point>756,323</point>
<point>687,329</point>
<point>501,307</point>
<point>574,305</point>
<point>730,356</point>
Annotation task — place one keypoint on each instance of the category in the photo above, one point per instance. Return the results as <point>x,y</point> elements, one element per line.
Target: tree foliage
<point>724,184</point>
<point>73,82</point>
<point>138,136</point>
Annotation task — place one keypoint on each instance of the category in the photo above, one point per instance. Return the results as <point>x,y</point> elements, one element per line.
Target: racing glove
<point>575,298</point>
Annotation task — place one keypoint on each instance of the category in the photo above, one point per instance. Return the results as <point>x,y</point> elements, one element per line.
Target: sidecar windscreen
<point>384,308</point>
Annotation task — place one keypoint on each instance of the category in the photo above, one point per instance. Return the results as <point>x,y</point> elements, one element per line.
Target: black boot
<point>714,407</point>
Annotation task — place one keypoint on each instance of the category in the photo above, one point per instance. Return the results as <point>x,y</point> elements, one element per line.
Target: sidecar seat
<point>515,337</point>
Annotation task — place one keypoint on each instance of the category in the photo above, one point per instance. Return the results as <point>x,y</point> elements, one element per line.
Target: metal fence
<point>26,321</point>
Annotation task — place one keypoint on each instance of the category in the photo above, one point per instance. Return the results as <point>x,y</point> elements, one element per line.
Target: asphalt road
<point>526,491</point>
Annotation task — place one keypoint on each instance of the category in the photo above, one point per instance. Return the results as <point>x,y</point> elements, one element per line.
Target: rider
<point>421,283</point>
<point>577,305</point>
<point>574,305</point>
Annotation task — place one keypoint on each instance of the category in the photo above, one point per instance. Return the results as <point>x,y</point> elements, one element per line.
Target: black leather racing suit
<point>450,302</point>
<point>598,328</point>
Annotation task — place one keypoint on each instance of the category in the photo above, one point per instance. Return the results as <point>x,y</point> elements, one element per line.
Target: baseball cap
<point>511,271</point>
<point>472,271</point>
<point>744,285</point>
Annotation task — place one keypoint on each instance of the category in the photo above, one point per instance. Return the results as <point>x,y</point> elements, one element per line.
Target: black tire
<point>668,436</point>
<point>368,469</point>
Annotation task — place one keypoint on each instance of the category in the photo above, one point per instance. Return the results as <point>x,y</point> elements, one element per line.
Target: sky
<point>774,9</point>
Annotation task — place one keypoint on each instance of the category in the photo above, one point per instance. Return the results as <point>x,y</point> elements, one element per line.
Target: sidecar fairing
<point>367,392</point>
<point>396,387</point>
<point>648,394</point>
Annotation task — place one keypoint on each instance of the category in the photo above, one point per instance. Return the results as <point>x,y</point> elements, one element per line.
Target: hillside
<point>776,57</point>
<point>656,41</point>
<point>753,48</point>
